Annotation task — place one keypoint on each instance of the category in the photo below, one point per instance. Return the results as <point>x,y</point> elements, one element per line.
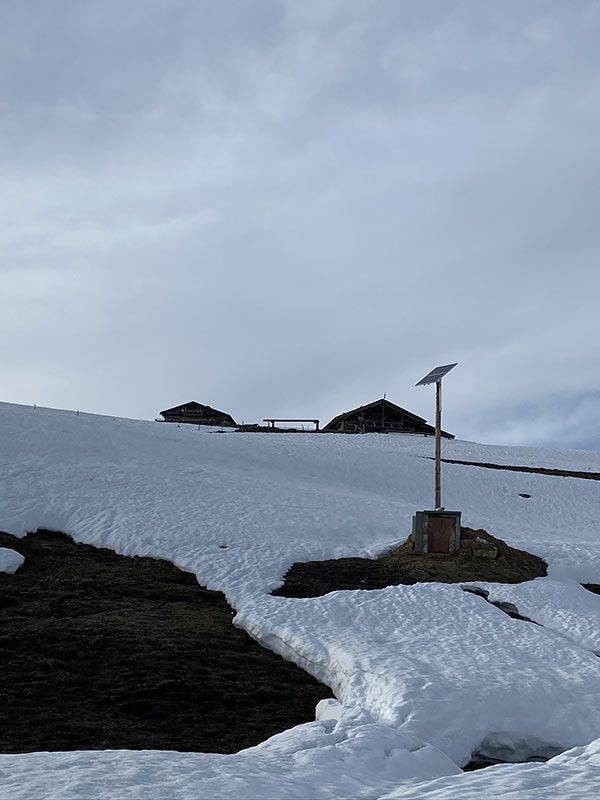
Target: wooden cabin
<point>193,413</point>
<point>381,417</point>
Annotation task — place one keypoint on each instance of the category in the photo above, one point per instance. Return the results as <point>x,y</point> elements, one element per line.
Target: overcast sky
<point>290,207</point>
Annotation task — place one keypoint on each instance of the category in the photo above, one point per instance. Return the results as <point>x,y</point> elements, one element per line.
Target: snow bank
<point>442,664</point>
<point>343,755</point>
<point>564,607</point>
<point>10,560</point>
<point>573,775</point>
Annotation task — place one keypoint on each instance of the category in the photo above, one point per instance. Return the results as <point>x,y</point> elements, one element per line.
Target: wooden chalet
<point>381,417</point>
<point>194,413</point>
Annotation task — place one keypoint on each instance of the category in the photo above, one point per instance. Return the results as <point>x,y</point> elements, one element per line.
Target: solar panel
<point>436,374</point>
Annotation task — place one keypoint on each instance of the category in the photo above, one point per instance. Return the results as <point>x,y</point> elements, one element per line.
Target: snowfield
<point>425,676</point>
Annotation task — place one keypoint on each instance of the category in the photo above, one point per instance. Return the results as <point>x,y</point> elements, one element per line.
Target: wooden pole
<point>438,445</point>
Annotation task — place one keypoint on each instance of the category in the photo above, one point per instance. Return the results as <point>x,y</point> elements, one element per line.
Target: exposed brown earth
<point>592,587</point>
<point>102,651</point>
<point>403,566</point>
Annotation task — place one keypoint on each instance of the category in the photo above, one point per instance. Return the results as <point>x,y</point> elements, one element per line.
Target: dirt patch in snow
<point>592,587</point>
<point>403,566</point>
<point>102,651</point>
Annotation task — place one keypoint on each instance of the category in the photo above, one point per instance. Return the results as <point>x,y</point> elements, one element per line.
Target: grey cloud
<point>564,421</point>
<point>301,205</point>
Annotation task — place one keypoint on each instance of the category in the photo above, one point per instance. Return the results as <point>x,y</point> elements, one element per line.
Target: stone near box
<point>482,548</point>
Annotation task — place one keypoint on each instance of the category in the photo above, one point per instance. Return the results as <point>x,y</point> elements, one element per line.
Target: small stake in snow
<point>435,376</point>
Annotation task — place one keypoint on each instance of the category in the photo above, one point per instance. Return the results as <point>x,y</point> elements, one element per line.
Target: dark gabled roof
<point>194,406</point>
<point>386,403</point>
<point>419,421</point>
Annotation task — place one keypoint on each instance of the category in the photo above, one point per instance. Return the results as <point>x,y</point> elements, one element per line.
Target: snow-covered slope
<point>426,674</point>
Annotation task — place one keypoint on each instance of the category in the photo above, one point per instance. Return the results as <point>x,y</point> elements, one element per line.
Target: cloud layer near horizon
<point>284,208</point>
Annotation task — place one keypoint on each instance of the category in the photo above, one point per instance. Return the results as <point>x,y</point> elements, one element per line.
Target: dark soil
<point>403,566</point>
<point>102,651</point>
<point>592,587</point>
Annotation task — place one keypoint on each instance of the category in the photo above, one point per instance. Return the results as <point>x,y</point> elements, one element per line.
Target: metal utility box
<point>436,532</point>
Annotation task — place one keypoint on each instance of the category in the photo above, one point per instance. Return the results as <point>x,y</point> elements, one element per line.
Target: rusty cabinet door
<point>440,534</point>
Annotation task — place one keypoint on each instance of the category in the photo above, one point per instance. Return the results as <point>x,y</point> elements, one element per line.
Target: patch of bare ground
<point>403,566</point>
<point>592,587</point>
<point>102,651</point>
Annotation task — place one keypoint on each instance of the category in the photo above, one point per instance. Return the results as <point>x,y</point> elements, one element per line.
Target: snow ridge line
<point>328,670</point>
<point>275,643</point>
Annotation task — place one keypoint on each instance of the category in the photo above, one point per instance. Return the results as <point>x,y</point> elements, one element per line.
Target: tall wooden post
<point>435,376</point>
<point>438,445</point>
